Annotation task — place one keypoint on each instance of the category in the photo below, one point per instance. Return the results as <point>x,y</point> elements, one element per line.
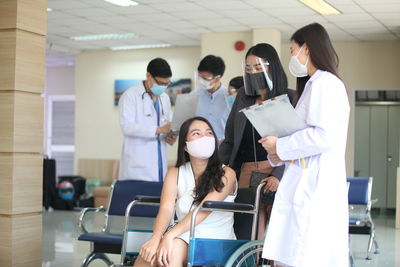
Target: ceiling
<point>181,22</point>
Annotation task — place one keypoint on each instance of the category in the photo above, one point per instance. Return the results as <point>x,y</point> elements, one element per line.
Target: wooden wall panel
<point>6,183</point>
<point>20,183</point>
<point>21,120</point>
<point>28,123</point>
<point>21,238</point>
<point>26,15</point>
<point>103,169</point>
<point>6,121</point>
<point>30,62</point>
<point>32,16</point>
<point>8,14</point>
<point>23,54</point>
<point>8,46</point>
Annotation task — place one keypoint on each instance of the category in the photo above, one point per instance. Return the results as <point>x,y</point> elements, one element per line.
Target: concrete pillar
<point>22,56</point>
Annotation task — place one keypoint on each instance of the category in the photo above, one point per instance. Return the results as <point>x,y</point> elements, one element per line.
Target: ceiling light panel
<point>321,7</point>
<point>124,3</point>
<point>128,47</point>
<point>108,36</point>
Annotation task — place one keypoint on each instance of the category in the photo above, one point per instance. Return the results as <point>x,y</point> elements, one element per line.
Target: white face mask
<point>296,68</point>
<point>203,84</point>
<point>201,148</point>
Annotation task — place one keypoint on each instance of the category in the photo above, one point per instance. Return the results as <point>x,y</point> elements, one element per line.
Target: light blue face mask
<point>158,89</point>
<point>231,99</point>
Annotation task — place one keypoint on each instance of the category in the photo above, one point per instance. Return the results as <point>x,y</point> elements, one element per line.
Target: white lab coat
<point>309,219</point>
<point>138,121</point>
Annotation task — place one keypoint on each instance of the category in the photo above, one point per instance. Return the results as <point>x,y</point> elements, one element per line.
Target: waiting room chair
<point>110,239</point>
<point>360,221</point>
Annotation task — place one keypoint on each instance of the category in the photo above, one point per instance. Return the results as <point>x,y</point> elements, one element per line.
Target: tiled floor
<point>61,249</point>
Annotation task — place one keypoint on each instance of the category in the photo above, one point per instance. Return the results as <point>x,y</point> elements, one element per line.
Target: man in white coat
<point>145,115</point>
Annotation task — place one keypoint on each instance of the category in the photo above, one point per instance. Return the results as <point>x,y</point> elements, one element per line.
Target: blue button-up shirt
<point>215,108</point>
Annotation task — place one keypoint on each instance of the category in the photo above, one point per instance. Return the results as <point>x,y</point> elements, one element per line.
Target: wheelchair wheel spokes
<point>248,254</point>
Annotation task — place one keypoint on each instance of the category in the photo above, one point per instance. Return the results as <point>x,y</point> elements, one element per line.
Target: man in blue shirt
<point>213,101</point>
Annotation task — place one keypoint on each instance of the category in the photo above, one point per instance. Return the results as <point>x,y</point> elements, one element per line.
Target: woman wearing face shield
<point>264,78</point>
<point>309,220</point>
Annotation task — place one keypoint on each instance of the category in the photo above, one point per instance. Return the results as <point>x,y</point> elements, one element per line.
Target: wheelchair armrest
<point>148,199</point>
<point>81,223</point>
<point>228,206</point>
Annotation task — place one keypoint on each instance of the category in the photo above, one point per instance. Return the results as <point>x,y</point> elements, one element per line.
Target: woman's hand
<point>148,250</point>
<point>272,183</point>
<point>164,251</point>
<point>269,144</point>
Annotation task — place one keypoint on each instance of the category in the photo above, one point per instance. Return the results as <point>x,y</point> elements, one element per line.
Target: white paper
<point>185,108</point>
<point>274,117</point>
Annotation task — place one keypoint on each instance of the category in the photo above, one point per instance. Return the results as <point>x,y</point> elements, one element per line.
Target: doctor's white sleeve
<point>326,112</point>
<point>127,114</point>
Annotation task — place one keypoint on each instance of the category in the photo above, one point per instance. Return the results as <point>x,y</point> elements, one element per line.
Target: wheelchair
<point>213,252</point>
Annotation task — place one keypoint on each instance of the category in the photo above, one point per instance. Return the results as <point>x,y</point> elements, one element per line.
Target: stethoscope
<point>162,117</point>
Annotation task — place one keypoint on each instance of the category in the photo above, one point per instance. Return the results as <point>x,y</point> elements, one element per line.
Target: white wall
<point>98,134</point>
<point>363,65</point>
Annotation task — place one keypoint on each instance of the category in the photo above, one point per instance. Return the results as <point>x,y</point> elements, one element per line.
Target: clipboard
<point>274,117</point>
<point>185,108</point>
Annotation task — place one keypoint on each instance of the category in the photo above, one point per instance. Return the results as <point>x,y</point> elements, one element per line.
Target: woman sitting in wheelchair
<point>197,177</point>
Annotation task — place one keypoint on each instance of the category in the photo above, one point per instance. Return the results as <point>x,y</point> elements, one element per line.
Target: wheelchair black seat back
<point>242,221</point>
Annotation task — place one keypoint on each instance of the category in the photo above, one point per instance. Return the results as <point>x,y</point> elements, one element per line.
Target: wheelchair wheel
<point>248,254</point>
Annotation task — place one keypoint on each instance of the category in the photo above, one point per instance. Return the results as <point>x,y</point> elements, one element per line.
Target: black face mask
<point>255,82</point>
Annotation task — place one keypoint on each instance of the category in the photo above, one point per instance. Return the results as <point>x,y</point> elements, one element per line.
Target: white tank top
<point>217,225</point>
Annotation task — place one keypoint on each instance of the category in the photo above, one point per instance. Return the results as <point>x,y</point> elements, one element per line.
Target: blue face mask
<point>231,99</point>
<point>158,89</point>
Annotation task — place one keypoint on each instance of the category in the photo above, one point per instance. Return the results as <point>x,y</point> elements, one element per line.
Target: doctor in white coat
<point>309,220</point>
<point>145,115</point>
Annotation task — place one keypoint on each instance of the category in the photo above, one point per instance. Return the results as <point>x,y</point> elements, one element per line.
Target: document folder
<point>274,117</point>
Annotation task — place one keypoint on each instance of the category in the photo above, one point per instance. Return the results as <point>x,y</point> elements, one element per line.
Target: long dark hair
<point>278,75</point>
<point>210,179</point>
<point>322,54</point>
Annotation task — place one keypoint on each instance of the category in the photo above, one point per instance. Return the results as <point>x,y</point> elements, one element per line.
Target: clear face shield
<point>256,77</point>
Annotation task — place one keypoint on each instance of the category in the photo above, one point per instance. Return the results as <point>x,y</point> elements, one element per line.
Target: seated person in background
<point>197,177</point>
<point>234,85</point>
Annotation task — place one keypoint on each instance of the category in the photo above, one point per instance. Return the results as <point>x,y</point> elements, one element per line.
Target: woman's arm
<point>165,249</point>
<point>229,180</point>
<point>164,216</point>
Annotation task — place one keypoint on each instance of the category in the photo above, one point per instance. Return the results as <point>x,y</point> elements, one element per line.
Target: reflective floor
<point>61,249</point>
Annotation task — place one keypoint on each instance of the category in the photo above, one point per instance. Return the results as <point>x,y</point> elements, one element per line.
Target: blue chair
<point>360,221</point>
<point>110,239</point>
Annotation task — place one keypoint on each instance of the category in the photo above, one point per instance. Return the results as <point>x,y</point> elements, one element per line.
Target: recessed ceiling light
<point>123,2</point>
<point>127,47</point>
<point>49,9</point>
<point>321,7</point>
<point>108,36</point>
